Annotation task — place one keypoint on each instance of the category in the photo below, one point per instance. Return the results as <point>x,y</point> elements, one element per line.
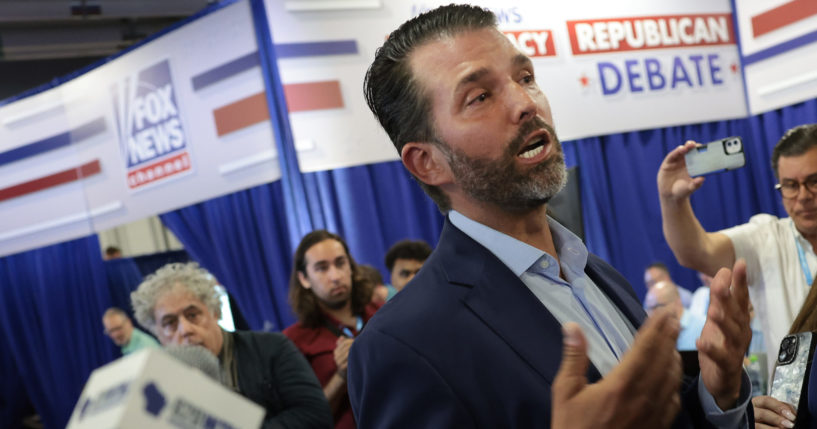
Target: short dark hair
<point>660,265</point>
<point>393,94</point>
<point>407,249</point>
<point>795,142</point>
<point>371,273</point>
<point>373,279</point>
<point>115,311</point>
<point>303,301</point>
<point>112,251</point>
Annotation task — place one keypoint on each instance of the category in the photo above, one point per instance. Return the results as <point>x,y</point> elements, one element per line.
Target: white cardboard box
<point>150,389</point>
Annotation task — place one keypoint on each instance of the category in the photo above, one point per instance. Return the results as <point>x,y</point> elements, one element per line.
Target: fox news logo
<point>150,129</point>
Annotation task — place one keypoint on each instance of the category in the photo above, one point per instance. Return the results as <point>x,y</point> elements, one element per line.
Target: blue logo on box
<point>154,399</point>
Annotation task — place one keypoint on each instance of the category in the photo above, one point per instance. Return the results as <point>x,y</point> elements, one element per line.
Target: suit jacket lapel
<point>616,287</point>
<point>504,303</point>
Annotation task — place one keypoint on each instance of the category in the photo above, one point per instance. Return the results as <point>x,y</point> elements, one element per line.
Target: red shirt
<point>318,345</point>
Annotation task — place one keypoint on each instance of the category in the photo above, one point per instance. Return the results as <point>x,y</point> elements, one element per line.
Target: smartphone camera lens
<point>788,350</point>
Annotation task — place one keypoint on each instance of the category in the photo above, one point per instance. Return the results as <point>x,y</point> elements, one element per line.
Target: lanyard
<point>803,264</point>
<point>358,326</point>
<point>343,330</point>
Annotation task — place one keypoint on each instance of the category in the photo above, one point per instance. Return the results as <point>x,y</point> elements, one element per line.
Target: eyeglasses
<point>791,188</point>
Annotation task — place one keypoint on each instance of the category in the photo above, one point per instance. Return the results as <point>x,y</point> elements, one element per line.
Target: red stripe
<point>300,97</point>
<point>783,15</point>
<point>313,96</point>
<point>241,114</point>
<point>56,179</point>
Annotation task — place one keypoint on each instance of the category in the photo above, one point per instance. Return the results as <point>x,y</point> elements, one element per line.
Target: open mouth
<point>535,147</point>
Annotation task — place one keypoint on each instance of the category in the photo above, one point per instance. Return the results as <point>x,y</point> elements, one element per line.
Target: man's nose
<point>521,103</point>
<point>335,273</point>
<point>185,327</point>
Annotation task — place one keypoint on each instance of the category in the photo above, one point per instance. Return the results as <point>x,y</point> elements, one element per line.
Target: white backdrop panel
<point>682,78</point>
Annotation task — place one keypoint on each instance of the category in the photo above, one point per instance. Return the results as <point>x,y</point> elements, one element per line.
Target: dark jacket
<point>467,344</point>
<point>274,374</point>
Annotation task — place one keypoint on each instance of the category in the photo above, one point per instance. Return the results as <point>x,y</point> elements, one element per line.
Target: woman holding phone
<point>772,413</point>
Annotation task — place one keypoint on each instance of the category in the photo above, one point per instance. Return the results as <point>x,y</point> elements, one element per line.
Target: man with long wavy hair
<point>331,300</point>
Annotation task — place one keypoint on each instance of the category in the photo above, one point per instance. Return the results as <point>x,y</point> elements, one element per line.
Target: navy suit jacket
<point>467,344</point>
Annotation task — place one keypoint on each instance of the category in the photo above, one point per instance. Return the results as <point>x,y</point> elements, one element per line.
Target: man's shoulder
<point>760,228</point>
<point>768,219</point>
<point>140,338</point>
<point>761,220</point>
<point>310,340</point>
<point>259,339</point>
<point>429,299</point>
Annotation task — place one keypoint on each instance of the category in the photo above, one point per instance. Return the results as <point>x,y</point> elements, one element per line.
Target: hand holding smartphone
<point>792,369</point>
<point>719,155</point>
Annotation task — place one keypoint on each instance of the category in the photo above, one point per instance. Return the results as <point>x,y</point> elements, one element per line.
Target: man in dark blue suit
<point>511,319</point>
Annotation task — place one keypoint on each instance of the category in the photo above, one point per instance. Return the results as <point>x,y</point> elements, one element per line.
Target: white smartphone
<point>720,155</point>
<point>793,364</point>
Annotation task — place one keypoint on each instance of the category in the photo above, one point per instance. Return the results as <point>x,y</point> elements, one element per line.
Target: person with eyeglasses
<point>780,260</point>
<point>179,303</point>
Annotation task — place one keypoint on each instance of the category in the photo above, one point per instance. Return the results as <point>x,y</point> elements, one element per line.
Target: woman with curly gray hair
<point>179,303</point>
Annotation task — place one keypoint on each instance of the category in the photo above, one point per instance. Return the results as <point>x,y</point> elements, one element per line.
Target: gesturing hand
<point>726,335</point>
<point>642,391</point>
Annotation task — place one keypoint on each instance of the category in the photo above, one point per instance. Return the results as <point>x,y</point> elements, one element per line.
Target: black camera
<point>788,350</point>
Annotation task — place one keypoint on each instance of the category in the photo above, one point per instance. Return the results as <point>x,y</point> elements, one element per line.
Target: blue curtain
<point>372,207</point>
<point>123,277</point>
<point>51,305</point>
<point>148,264</point>
<point>621,212</point>
<point>13,397</point>
<point>242,239</point>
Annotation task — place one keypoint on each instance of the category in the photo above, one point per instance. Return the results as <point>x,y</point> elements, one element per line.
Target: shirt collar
<point>798,236</point>
<point>519,256</point>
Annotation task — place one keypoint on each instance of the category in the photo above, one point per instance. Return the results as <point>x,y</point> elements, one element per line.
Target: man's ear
<point>427,163</point>
<point>304,281</point>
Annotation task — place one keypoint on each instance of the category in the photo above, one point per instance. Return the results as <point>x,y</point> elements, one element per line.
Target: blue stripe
<point>741,60</point>
<point>282,50</point>
<point>781,48</point>
<point>54,142</point>
<point>312,49</point>
<point>225,70</point>
<point>296,206</point>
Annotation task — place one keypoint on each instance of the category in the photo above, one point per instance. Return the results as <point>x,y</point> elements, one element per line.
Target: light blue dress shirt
<point>691,327</point>
<point>608,332</point>
<point>603,324</point>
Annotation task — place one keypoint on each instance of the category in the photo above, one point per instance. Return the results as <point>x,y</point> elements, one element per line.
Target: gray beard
<point>500,183</point>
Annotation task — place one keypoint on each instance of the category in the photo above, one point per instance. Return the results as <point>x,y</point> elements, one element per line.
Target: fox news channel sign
<point>151,133</point>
